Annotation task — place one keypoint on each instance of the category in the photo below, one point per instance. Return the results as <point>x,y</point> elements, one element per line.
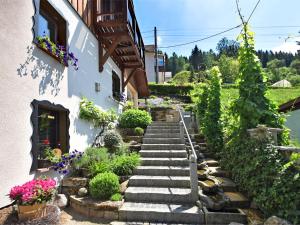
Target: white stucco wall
<point>27,73</point>
<point>150,63</point>
<point>293,123</point>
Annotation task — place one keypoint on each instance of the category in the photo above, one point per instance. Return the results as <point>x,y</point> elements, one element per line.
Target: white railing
<point>192,156</point>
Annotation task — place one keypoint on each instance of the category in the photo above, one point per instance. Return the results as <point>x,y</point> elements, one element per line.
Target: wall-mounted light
<point>97,87</point>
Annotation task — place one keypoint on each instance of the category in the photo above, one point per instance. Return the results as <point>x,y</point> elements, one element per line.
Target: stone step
<point>218,172</point>
<point>162,170</point>
<point>164,161</point>
<point>159,131</point>
<point>158,195</point>
<point>163,153</point>
<point>162,141</point>
<point>162,135</point>
<point>163,147</point>
<point>161,213</point>
<point>211,162</point>
<point>237,200</point>
<point>226,184</point>
<point>159,181</point>
<point>163,127</point>
<point>146,223</point>
<point>160,123</point>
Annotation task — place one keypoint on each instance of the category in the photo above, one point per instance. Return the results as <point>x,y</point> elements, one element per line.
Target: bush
<point>112,139</point>
<point>125,164</point>
<point>91,156</point>
<point>134,118</point>
<point>170,89</point>
<point>104,185</point>
<point>181,78</point>
<point>99,167</point>
<point>128,105</point>
<point>116,197</point>
<point>139,131</point>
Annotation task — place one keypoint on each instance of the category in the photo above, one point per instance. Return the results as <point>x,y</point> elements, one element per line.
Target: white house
<point>41,94</point>
<point>292,111</point>
<point>150,65</point>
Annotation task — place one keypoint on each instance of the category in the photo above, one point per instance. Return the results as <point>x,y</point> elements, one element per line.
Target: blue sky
<point>180,21</point>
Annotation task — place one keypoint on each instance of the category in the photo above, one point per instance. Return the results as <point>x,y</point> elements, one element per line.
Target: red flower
<point>46,142</point>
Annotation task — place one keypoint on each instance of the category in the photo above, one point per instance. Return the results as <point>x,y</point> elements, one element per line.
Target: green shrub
<point>125,164</point>
<point>99,167</point>
<point>128,105</point>
<point>181,78</point>
<point>135,118</point>
<point>104,185</point>
<point>112,139</point>
<point>170,89</point>
<point>139,131</point>
<point>116,197</point>
<point>91,156</point>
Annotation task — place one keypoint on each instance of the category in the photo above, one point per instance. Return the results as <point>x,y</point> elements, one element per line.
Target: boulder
<point>61,200</point>
<point>274,220</point>
<point>82,192</point>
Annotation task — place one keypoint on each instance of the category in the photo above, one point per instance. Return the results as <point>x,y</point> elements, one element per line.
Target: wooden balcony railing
<point>117,17</point>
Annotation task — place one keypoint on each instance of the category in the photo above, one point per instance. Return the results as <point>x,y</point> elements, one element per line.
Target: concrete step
<point>164,161</point>
<point>160,123</point>
<point>163,127</point>
<point>158,195</point>
<point>162,135</point>
<point>159,131</point>
<point>162,170</point>
<point>163,147</point>
<point>159,181</point>
<point>163,153</point>
<point>162,141</point>
<point>161,213</point>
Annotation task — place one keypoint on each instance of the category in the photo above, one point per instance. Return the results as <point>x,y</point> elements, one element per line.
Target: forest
<point>193,69</point>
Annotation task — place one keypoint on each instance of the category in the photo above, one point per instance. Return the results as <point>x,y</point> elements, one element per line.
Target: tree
<point>212,124</point>
<point>181,78</point>
<point>229,68</point>
<point>296,65</point>
<point>228,47</point>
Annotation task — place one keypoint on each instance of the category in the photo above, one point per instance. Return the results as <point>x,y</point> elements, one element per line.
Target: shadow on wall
<point>38,66</point>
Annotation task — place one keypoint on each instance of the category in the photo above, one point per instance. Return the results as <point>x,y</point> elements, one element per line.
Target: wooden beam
<point>113,34</point>
<point>129,77</point>
<point>109,51</point>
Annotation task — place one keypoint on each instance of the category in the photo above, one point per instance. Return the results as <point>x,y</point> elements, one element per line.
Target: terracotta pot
<point>29,212</point>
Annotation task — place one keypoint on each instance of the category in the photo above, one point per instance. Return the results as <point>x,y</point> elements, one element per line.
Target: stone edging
<point>91,208</point>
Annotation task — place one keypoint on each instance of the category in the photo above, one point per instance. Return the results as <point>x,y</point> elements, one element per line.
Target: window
<point>50,129</point>
<point>51,24</point>
<point>116,86</point>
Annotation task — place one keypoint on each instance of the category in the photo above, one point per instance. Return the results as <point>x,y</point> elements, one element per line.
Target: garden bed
<point>96,209</point>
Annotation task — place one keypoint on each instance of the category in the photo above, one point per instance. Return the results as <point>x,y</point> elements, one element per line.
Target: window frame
<point>36,104</point>
<point>57,21</point>
<point>115,77</point>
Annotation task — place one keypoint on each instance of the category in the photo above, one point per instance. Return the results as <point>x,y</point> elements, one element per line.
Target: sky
<point>276,23</point>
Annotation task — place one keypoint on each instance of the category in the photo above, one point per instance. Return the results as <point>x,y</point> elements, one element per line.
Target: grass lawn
<point>278,96</point>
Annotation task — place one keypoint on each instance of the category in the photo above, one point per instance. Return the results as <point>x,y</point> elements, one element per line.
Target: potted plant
<point>51,156</point>
<point>32,197</point>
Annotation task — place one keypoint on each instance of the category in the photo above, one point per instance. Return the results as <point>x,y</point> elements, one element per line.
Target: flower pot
<point>44,163</point>
<point>29,212</point>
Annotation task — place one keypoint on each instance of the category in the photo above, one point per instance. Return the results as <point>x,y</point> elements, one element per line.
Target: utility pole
<point>156,55</point>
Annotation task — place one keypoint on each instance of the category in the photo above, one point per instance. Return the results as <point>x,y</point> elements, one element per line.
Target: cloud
<point>159,40</point>
<point>288,46</point>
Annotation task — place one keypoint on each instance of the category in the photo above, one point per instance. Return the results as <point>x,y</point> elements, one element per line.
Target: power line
<point>255,7</point>
<point>202,39</point>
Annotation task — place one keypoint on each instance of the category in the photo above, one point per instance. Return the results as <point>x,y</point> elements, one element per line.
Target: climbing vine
<point>99,118</point>
<point>212,128</point>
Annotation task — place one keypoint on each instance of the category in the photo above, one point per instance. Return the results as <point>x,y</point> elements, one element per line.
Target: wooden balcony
<point>118,32</point>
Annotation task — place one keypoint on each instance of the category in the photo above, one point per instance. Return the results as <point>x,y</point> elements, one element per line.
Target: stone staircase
<point>160,190</point>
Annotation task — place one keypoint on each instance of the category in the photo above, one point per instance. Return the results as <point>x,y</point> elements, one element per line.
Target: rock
<point>133,143</point>
<point>61,200</point>
<point>234,223</point>
<point>274,220</point>
<point>82,192</point>
<point>123,186</point>
<point>74,182</point>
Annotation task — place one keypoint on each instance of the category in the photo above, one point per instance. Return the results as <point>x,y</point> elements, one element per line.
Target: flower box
<point>29,212</point>
<point>52,55</point>
<point>44,163</point>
